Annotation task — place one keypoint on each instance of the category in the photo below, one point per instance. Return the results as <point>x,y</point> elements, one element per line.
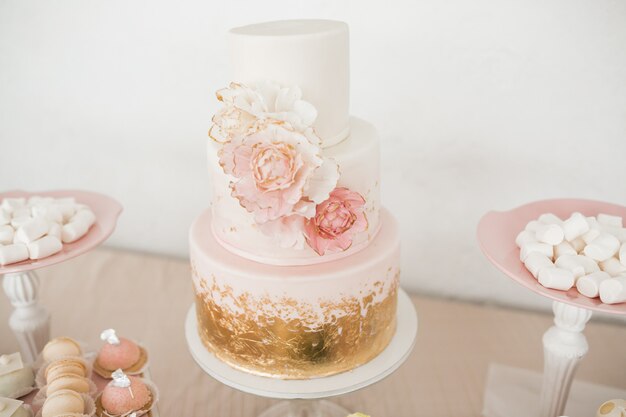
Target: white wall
<point>481,104</point>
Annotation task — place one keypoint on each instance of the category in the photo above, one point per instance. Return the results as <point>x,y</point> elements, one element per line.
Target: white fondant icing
<point>236,229</point>
<point>310,54</point>
<point>374,270</point>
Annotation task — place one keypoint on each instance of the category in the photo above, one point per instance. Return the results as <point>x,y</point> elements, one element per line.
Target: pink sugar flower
<point>278,172</point>
<point>337,220</point>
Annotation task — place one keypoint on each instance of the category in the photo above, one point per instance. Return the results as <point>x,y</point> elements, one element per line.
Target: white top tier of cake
<point>310,54</point>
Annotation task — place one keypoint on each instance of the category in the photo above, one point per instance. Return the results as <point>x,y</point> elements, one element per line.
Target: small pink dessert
<point>117,352</point>
<point>125,394</point>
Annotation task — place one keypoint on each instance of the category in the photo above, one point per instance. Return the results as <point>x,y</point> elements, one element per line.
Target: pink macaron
<point>121,400</point>
<point>119,356</point>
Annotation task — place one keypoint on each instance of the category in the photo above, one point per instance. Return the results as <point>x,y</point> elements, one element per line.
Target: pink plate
<point>106,209</point>
<point>497,232</point>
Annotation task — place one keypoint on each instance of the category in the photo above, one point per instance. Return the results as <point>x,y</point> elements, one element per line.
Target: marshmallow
<point>589,285</point>
<point>86,216</point>
<point>613,290</point>
<point>575,226</point>
<point>593,223</point>
<point>536,261</point>
<point>5,217</point>
<point>78,226</point>
<point>16,252</point>
<point>531,247</point>
<point>532,226</point>
<point>618,232</point>
<point>32,230</point>
<point>622,254</point>
<point>73,231</point>
<point>50,213</point>
<point>549,218</point>
<point>67,210</point>
<point>579,264</point>
<point>564,248</point>
<point>10,204</point>
<point>19,221</point>
<point>551,234</point>
<point>613,267</point>
<point>569,262</point>
<point>602,248</point>
<point>44,247</point>
<point>578,244</point>
<point>524,237</point>
<point>35,227</point>
<point>591,235</point>
<point>21,212</point>
<point>55,230</point>
<point>6,234</point>
<point>556,278</point>
<point>608,220</point>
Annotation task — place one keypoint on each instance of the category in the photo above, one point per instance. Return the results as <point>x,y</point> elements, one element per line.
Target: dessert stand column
<point>30,321</point>
<point>564,344</point>
<point>305,398</point>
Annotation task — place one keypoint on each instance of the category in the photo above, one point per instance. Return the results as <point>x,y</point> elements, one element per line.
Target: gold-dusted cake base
<point>353,332</point>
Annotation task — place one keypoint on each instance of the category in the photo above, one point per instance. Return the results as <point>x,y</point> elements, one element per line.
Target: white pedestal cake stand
<point>29,321</point>
<point>564,344</point>
<point>305,395</point>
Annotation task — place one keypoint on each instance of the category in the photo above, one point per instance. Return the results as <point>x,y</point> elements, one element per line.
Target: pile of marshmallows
<point>586,252</point>
<point>37,228</point>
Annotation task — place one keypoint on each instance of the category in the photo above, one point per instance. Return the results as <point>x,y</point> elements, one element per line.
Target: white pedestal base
<point>564,345</point>
<point>514,392</point>
<point>29,321</point>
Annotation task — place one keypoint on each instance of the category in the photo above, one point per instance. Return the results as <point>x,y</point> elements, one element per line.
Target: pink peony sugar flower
<point>337,220</point>
<point>278,172</point>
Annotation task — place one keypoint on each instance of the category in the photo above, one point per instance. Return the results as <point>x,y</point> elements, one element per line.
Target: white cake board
<point>514,392</point>
<point>378,368</point>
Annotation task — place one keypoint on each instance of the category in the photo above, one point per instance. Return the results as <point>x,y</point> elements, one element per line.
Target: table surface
<point>145,297</point>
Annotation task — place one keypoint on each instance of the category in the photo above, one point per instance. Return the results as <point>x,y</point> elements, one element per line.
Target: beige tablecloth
<point>146,297</point>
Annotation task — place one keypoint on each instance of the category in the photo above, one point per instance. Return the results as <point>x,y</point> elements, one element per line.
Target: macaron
<point>121,400</point>
<point>61,347</point>
<point>68,381</point>
<point>119,356</point>
<point>63,402</point>
<point>72,366</point>
<point>16,382</point>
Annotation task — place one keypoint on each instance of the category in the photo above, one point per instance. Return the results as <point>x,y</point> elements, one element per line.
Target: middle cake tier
<point>296,322</point>
<point>345,223</point>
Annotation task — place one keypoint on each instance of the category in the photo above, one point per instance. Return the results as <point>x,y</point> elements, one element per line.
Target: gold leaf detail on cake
<point>288,339</point>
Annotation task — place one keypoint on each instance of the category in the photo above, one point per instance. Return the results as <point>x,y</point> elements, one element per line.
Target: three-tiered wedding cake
<point>296,265</point>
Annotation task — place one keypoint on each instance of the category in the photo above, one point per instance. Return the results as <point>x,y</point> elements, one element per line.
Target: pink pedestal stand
<point>29,321</point>
<point>564,344</point>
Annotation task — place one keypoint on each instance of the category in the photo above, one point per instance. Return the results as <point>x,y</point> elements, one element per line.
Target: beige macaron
<point>61,347</point>
<point>63,402</point>
<point>72,382</point>
<point>72,366</point>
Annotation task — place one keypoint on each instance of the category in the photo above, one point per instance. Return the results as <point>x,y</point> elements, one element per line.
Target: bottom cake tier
<point>295,322</point>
